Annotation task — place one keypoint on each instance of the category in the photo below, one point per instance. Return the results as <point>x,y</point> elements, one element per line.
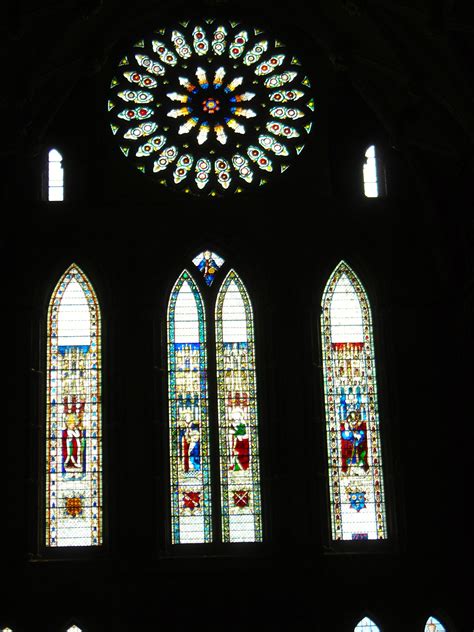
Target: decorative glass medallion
<point>210,107</point>
<point>208,263</point>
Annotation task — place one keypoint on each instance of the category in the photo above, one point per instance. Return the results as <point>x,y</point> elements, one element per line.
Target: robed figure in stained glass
<point>354,442</point>
<point>189,444</point>
<point>73,437</point>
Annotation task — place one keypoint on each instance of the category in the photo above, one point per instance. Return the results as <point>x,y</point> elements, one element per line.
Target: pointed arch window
<point>73,415</point>
<point>366,625</point>
<point>356,488</point>
<point>433,625</point>
<point>230,419</point>
<point>55,176</point>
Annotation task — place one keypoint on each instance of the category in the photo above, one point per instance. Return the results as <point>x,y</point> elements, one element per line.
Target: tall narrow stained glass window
<point>238,429</point>
<point>188,414</point>
<point>352,421</point>
<point>235,420</point>
<point>73,417</point>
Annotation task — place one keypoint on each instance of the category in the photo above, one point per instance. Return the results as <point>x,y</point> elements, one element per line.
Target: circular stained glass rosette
<point>210,107</point>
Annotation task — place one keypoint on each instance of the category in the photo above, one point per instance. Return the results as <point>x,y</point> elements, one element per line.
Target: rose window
<point>210,108</point>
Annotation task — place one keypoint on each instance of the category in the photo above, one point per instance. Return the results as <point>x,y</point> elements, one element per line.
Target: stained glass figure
<point>209,89</point>
<point>208,263</point>
<point>55,176</point>
<point>188,414</point>
<point>238,423</point>
<point>366,625</point>
<point>352,420</point>
<point>433,625</point>
<point>73,419</point>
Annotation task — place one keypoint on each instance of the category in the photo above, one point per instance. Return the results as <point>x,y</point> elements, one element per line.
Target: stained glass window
<point>74,628</point>
<point>352,421</point>
<point>211,106</point>
<point>238,429</point>
<point>235,424</point>
<point>55,176</point>
<point>433,625</point>
<point>366,625</point>
<point>188,414</point>
<point>73,418</point>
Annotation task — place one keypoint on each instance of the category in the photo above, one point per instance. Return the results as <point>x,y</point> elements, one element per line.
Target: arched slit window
<point>73,417</point>
<point>366,625</point>
<point>188,414</point>
<point>55,176</point>
<point>238,425</point>
<point>373,173</point>
<point>356,488</point>
<point>232,419</point>
<point>433,625</point>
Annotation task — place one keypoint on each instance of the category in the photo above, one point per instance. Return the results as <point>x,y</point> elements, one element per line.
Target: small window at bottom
<point>366,625</point>
<point>55,176</point>
<point>433,625</point>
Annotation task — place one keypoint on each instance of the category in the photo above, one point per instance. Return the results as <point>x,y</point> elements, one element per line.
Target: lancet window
<point>220,434</point>
<point>356,488</point>
<point>73,414</point>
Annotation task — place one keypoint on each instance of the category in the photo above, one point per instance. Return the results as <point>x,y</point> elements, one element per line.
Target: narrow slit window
<point>356,489</point>
<point>55,176</point>
<point>371,181</point>
<point>73,419</point>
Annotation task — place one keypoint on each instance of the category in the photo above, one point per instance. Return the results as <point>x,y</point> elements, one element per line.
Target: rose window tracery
<point>210,108</point>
